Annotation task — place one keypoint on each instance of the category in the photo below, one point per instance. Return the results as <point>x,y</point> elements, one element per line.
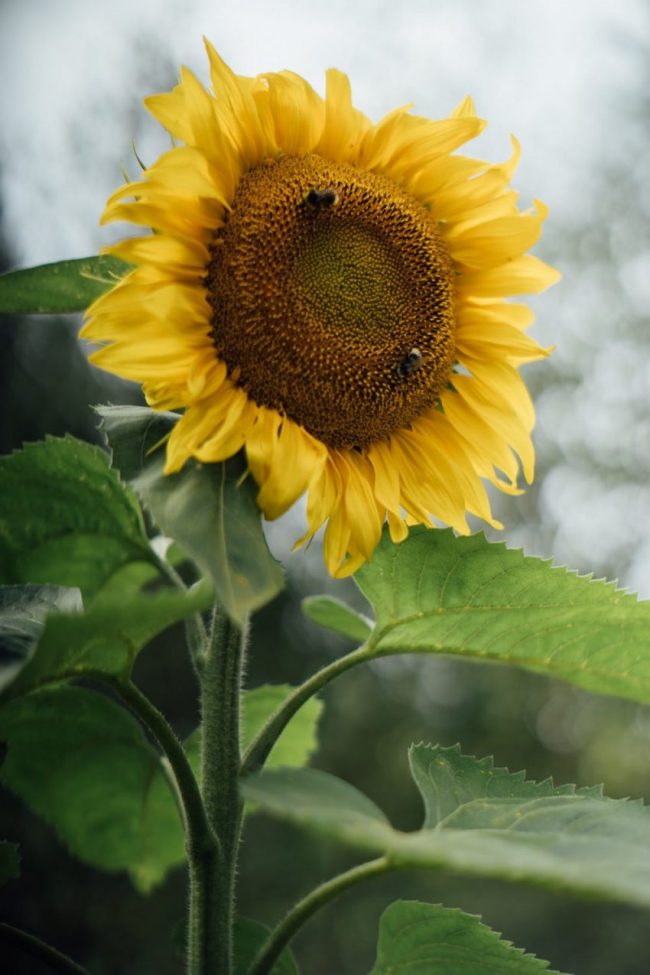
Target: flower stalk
<point>213,871</point>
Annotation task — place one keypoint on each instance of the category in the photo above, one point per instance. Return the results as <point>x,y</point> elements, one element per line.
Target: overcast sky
<point>555,73</point>
<point>74,73</point>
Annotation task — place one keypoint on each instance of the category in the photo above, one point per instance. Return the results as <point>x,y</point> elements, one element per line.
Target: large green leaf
<point>435,593</point>
<point>107,637</point>
<point>66,286</point>
<point>9,861</point>
<point>428,939</point>
<point>481,821</point>
<point>249,936</point>
<point>83,763</point>
<point>66,519</point>
<point>209,509</point>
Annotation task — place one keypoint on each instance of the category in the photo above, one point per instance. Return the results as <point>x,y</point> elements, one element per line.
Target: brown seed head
<point>340,316</point>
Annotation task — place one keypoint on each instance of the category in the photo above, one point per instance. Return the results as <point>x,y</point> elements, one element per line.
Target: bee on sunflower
<point>330,295</point>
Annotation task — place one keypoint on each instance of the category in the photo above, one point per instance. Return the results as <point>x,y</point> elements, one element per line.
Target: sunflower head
<point>330,295</point>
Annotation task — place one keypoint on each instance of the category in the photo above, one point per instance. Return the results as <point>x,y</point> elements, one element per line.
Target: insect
<point>409,364</point>
<point>322,199</point>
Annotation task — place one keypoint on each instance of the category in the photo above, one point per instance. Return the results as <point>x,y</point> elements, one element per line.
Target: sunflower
<point>330,295</point>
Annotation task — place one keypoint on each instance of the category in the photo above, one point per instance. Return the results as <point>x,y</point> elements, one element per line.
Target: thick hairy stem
<point>213,876</point>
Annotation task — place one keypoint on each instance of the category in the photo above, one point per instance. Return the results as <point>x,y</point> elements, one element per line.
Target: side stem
<point>212,878</point>
<point>199,836</point>
<point>258,750</point>
<point>55,960</point>
<point>304,909</point>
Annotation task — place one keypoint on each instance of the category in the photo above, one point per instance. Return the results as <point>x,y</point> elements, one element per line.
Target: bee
<point>322,199</point>
<point>409,364</point>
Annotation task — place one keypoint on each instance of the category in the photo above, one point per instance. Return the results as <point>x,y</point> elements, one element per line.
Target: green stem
<point>258,750</point>
<point>212,878</point>
<point>31,945</point>
<point>199,836</point>
<point>304,909</point>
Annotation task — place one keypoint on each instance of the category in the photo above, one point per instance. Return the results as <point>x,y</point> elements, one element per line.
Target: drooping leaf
<point>22,616</point>
<point>435,593</point>
<point>298,741</point>
<point>83,763</point>
<point>249,936</point>
<point>332,614</point>
<point>309,797</point>
<point>9,861</point>
<point>134,435</point>
<point>107,637</point>
<point>488,822</point>
<point>209,509</point>
<point>429,939</point>
<point>66,286</point>
<point>66,519</point>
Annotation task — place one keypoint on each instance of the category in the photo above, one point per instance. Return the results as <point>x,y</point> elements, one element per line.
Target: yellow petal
<point>298,112</point>
<point>344,125</point>
<point>523,275</point>
<point>233,427</point>
<point>296,460</point>
<point>434,139</point>
<point>489,244</point>
<point>238,113</point>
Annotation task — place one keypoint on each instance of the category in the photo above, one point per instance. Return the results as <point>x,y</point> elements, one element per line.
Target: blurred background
<point>571,81</point>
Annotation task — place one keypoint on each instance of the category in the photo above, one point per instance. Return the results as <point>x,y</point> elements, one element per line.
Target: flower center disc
<point>333,299</point>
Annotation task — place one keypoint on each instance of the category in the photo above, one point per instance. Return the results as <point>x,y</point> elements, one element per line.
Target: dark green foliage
<point>210,510</point>
<point>483,822</point>
<point>66,286</point>
<point>429,939</point>
<point>84,764</point>
<point>66,519</point>
<point>106,639</point>
<point>9,861</point>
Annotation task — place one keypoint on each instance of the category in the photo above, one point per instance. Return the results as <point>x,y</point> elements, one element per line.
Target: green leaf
<point>66,519</point>
<point>9,861</point>
<point>428,939</point>
<point>449,781</point>
<point>249,936</point>
<point>22,616</point>
<point>332,614</point>
<point>481,821</point>
<point>435,593</point>
<point>84,764</point>
<point>66,286</point>
<point>106,638</point>
<point>298,741</point>
<point>205,508</point>
<point>312,798</point>
<point>134,434</point>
